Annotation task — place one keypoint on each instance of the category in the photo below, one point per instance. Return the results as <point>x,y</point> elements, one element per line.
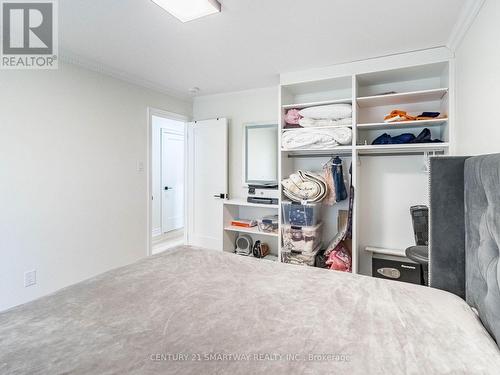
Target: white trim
<point>395,61</point>
<point>156,232</point>
<point>149,172</point>
<point>469,12</point>
<point>83,62</point>
<point>167,114</point>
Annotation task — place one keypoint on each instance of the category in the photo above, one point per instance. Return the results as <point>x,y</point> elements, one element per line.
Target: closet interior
<point>400,117</point>
<point>378,127</point>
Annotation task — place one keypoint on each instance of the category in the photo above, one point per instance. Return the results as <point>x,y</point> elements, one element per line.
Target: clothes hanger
<point>330,161</point>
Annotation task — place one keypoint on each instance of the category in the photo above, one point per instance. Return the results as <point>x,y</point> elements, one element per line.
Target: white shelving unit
<point>244,203</point>
<point>312,151</point>
<point>387,179</point>
<point>253,230</point>
<point>385,186</point>
<point>403,124</point>
<point>403,148</point>
<point>315,104</point>
<point>402,98</point>
<point>241,209</point>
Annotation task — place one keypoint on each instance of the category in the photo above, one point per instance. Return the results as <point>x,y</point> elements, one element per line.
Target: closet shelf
<point>385,251</point>
<point>315,104</point>
<point>402,149</point>
<point>339,150</point>
<point>317,127</point>
<point>242,202</point>
<point>402,98</point>
<point>402,124</point>
<point>253,230</point>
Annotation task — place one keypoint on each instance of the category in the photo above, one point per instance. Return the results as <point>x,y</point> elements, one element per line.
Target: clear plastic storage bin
<point>300,258</point>
<point>301,239</point>
<point>301,214</point>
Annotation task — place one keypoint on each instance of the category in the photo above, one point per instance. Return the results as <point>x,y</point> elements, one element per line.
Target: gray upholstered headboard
<point>465,232</point>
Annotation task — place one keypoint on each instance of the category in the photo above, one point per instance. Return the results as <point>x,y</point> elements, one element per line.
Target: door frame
<point>151,111</point>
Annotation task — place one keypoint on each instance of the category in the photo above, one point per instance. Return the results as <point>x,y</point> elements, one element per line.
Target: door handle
<point>220,196</point>
<point>168,188</point>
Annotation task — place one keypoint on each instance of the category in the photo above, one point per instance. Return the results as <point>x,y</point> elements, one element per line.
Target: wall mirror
<point>261,154</point>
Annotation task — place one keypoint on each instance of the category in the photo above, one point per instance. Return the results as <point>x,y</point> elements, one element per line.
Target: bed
<point>197,311</point>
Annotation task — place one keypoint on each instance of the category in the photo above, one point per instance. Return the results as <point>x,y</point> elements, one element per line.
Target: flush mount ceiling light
<point>188,10</point>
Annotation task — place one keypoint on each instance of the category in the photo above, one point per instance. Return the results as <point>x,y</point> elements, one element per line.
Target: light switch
<point>29,278</point>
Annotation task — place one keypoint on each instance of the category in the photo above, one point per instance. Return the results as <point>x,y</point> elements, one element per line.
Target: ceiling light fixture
<point>188,10</point>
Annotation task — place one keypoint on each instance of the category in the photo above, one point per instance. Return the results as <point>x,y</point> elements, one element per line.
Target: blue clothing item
<point>403,138</point>
<point>423,137</point>
<point>386,139</point>
<point>429,114</point>
<point>338,180</point>
<point>301,215</point>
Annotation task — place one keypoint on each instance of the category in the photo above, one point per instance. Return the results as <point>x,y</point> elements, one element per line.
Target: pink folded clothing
<point>292,117</point>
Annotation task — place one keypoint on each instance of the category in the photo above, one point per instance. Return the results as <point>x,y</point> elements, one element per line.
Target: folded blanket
<point>331,111</point>
<point>316,138</point>
<point>305,186</point>
<point>310,122</point>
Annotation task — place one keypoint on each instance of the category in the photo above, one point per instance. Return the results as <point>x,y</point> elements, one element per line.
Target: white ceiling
<point>250,42</point>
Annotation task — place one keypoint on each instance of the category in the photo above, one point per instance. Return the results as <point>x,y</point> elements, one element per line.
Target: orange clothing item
<point>398,115</point>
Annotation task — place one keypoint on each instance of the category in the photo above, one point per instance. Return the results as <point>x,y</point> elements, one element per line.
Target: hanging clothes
<point>330,198</point>
<point>338,180</point>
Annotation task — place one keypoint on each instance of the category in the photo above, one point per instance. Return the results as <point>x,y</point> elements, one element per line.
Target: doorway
<point>167,180</point>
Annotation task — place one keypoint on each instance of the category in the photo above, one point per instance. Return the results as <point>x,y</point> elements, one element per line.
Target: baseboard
<point>156,232</point>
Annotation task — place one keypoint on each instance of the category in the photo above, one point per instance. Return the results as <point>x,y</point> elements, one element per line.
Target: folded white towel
<point>316,138</point>
<point>331,111</point>
<point>312,123</point>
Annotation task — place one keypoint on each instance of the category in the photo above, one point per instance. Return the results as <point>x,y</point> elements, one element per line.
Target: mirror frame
<point>254,125</point>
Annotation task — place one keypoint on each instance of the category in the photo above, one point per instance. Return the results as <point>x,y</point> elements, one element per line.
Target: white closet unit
<point>240,209</point>
<point>387,178</point>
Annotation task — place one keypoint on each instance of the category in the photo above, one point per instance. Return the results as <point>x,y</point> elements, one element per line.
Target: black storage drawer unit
<point>396,268</point>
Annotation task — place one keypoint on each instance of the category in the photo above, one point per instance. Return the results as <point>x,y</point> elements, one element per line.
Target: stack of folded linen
<point>318,139</point>
<point>326,115</point>
<point>312,123</point>
<point>305,186</point>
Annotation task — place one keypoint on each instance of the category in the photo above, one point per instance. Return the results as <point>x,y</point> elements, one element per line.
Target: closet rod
<point>406,153</point>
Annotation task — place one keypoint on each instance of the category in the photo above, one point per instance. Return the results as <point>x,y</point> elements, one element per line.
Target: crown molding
<point>74,59</point>
<point>469,12</point>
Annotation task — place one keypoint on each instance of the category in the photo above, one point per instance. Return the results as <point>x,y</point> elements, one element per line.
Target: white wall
<point>259,105</point>
<point>478,84</point>
<point>72,201</point>
<point>159,123</point>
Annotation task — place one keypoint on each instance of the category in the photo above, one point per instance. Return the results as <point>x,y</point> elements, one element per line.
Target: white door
<point>207,182</point>
<point>172,181</point>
